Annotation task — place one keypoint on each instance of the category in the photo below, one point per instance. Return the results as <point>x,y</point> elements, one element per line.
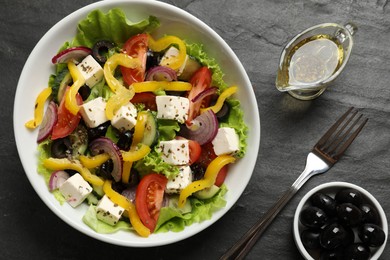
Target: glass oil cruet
<point>313,59</point>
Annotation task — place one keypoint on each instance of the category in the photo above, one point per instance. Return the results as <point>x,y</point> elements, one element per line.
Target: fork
<point>325,153</point>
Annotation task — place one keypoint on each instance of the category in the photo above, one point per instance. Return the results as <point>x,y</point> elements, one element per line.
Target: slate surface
<point>256,31</point>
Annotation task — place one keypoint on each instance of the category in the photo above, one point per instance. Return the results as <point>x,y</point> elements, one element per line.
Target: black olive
<point>336,254</point>
<point>348,214</point>
<point>324,202</point>
<point>198,171</point>
<point>105,169</point>
<point>61,148</point>
<point>100,49</point>
<point>125,140</point>
<point>313,217</point>
<point>152,59</point>
<point>71,172</point>
<point>370,214</point>
<point>98,131</point>
<point>84,91</point>
<point>336,235</point>
<point>311,238</point>
<point>371,235</point>
<point>134,178</point>
<point>357,252</point>
<point>349,196</point>
<point>118,186</point>
<point>224,112</point>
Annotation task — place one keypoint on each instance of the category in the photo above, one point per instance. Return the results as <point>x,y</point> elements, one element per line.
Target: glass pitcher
<point>313,59</point>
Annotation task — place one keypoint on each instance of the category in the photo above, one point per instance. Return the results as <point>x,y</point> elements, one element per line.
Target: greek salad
<point>141,129</point>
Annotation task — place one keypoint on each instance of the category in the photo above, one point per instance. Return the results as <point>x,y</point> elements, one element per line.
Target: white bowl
<point>174,21</point>
<point>331,189</point>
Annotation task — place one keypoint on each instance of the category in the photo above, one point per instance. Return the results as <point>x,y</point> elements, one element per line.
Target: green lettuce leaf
<point>171,219</point>
<point>167,129</point>
<point>196,50</point>
<point>236,121</point>
<point>112,26</point>
<point>91,220</point>
<point>153,162</point>
<point>44,153</point>
<point>101,89</point>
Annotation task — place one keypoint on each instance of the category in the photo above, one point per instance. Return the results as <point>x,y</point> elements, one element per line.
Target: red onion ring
<point>105,145</point>
<point>57,178</point>
<point>129,193</point>
<point>73,53</point>
<point>203,128</point>
<point>161,73</point>
<point>48,122</point>
<point>205,93</point>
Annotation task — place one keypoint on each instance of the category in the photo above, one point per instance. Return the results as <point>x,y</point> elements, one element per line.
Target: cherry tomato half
<point>206,156</point>
<point>67,122</point>
<point>195,151</point>
<point>146,98</point>
<point>200,81</point>
<point>136,47</point>
<point>149,197</point>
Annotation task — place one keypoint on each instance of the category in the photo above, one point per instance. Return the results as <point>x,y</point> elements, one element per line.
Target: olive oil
<point>309,63</point>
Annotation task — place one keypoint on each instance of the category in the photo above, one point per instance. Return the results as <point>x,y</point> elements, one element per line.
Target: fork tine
<point>332,129</point>
<point>336,139</point>
<point>348,142</point>
<point>340,136</point>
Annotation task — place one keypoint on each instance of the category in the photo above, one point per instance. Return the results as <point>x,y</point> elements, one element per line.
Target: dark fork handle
<point>246,242</point>
<point>314,165</point>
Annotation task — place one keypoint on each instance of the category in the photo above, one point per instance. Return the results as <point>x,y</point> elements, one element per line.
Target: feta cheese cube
<point>94,112</point>
<point>226,141</point>
<point>182,180</point>
<point>108,212</point>
<point>125,118</point>
<point>75,190</point>
<point>172,107</point>
<point>173,52</point>
<point>91,70</point>
<point>175,152</point>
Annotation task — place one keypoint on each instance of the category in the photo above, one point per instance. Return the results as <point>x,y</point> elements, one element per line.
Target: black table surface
<point>256,31</point>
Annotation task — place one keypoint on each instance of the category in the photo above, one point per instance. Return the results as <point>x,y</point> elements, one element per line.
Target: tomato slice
<point>149,197</point>
<point>200,81</point>
<point>136,47</point>
<point>146,98</point>
<point>67,122</point>
<point>206,156</point>
<point>195,151</point>
<point>221,176</point>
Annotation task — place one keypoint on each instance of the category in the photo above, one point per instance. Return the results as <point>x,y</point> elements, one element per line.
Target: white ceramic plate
<point>331,188</point>
<point>174,21</point>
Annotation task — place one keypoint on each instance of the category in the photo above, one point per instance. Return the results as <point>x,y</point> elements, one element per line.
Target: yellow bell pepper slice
<point>78,82</point>
<point>139,128</point>
<point>224,95</point>
<point>208,180</point>
<point>135,155</point>
<point>126,204</point>
<point>38,109</point>
<point>126,171</point>
<point>64,164</point>
<point>152,86</point>
<point>163,43</point>
<point>119,59</point>
<point>95,161</point>
<point>121,97</point>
